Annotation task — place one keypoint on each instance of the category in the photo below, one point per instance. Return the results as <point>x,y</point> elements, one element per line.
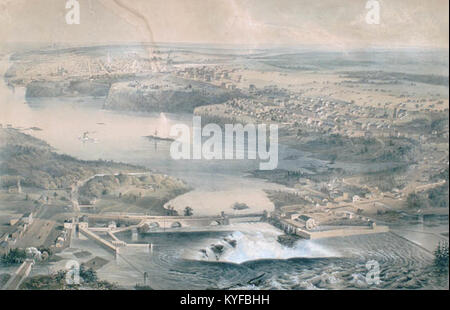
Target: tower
<point>19,188</point>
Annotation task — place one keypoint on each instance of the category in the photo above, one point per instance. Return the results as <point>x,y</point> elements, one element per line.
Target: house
<point>15,189</point>
<point>83,225</point>
<point>291,215</point>
<point>87,202</point>
<point>27,218</point>
<point>13,221</point>
<point>68,224</point>
<point>356,198</point>
<point>4,246</point>
<point>60,242</point>
<point>347,214</point>
<point>307,221</point>
<point>112,225</point>
<point>345,197</point>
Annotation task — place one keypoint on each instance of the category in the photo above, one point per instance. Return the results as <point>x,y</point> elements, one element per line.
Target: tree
<point>89,275</point>
<point>13,257</point>
<point>441,256</point>
<point>60,276</point>
<point>414,201</point>
<point>188,211</point>
<point>171,211</point>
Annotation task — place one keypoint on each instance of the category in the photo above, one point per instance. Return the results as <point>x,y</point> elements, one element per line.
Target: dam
<point>142,224</point>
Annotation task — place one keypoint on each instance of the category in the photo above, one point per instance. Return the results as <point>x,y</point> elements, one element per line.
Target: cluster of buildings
<point>210,74</point>
<point>320,115</point>
<point>73,66</point>
<point>325,224</point>
<point>19,224</point>
<point>63,238</point>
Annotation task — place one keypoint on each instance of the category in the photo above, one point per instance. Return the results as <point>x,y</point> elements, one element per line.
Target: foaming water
<point>255,246</point>
<point>258,241</point>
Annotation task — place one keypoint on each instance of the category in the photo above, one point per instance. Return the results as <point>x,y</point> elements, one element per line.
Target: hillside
<point>36,164</point>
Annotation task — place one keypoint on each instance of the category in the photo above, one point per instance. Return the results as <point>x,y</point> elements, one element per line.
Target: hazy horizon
<point>337,25</point>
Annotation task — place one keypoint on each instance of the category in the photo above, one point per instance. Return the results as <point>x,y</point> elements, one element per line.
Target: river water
<point>250,257</point>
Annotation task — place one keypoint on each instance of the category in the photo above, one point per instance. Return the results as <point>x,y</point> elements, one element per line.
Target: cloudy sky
<point>333,23</point>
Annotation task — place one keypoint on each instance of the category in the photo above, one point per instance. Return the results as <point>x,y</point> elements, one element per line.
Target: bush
<point>13,257</point>
<point>414,201</point>
<point>188,211</point>
<point>441,256</point>
<point>89,275</point>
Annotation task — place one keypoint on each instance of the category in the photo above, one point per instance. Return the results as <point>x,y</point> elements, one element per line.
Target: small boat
<point>155,137</point>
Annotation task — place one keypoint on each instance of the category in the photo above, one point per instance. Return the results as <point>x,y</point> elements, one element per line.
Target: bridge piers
<point>134,234</point>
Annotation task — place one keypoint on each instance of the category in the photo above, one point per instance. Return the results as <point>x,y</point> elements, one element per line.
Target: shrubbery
<point>441,256</point>
<point>13,257</point>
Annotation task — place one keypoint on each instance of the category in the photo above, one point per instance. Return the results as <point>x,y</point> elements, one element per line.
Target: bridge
<point>175,223</point>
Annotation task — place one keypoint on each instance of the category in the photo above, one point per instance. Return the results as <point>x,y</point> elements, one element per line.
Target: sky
<point>330,23</point>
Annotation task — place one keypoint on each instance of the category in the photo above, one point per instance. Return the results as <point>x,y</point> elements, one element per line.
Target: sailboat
<point>85,138</point>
